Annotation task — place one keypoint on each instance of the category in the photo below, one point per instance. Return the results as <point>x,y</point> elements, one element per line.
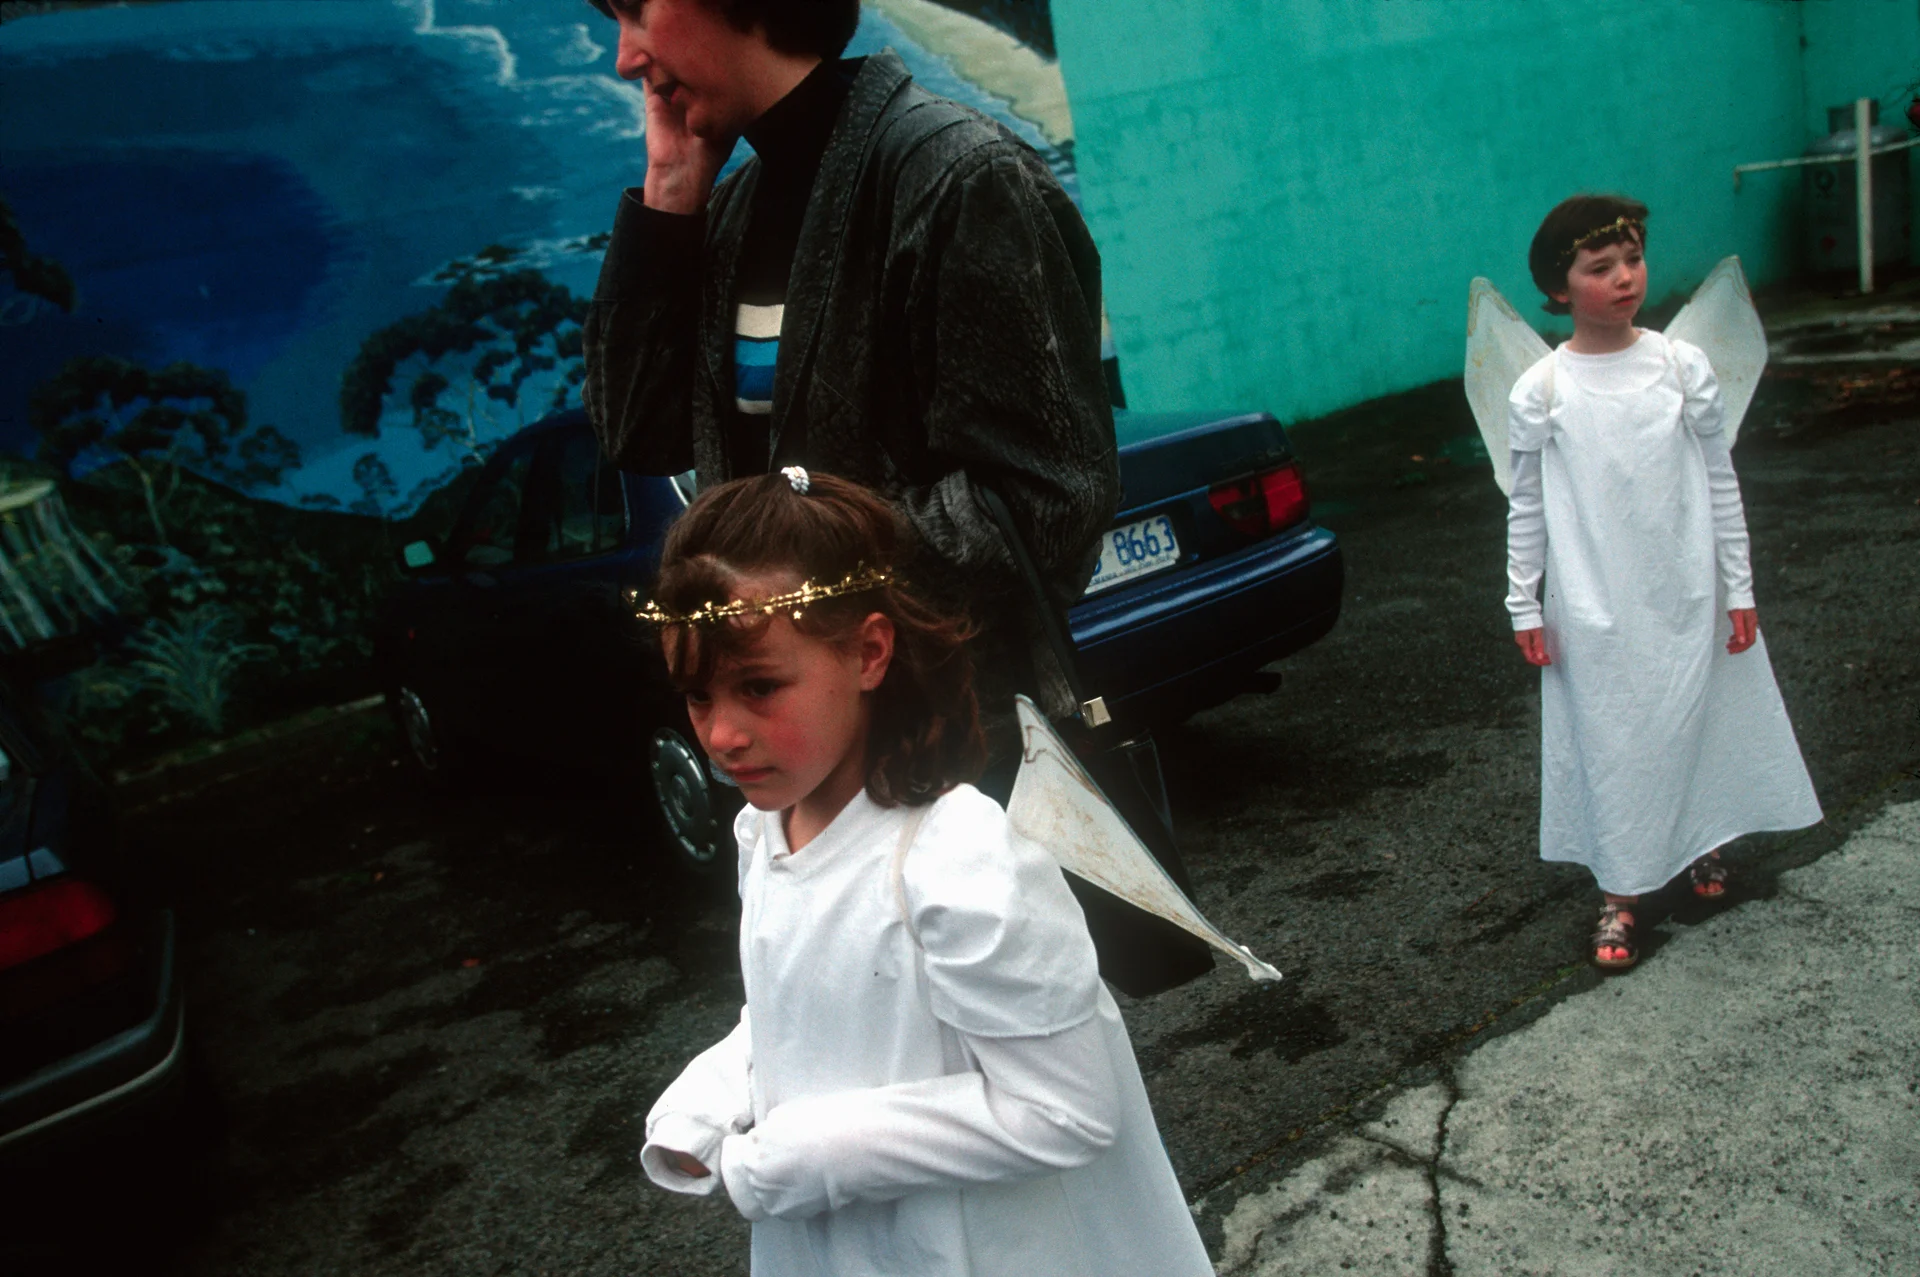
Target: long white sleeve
<point>1705,414</point>
<point>1033,1106</point>
<point>708,1102</point>
<point>1526,541</point>
<point>1730,543</point>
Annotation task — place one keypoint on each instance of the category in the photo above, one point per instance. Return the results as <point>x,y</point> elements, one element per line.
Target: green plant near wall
<point>299,590</point>
<point>191,660</point>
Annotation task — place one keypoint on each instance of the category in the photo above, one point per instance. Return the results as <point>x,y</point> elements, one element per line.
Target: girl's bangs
<point>695,652</point>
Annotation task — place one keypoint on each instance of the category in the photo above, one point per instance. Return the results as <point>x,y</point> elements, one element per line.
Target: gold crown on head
<point>859,580</point>
<point>1622,223</point>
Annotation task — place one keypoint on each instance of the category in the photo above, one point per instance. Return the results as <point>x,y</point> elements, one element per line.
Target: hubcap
<point>418,726</point>
<point>680,783</point>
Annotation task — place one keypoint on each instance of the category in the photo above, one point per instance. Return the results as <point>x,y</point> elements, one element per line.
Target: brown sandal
<point>1709,877</point>
<point>1615,932</point>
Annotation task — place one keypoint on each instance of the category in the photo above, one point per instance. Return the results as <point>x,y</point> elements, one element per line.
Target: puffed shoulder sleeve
<point>1704,411</point>
<point>1529,408</point>
<point>749,823</point>
<point>1007,950</point>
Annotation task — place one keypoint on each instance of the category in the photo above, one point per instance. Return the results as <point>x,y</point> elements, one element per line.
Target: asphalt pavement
<point>1750,1103</point>
<point>429,1024</point>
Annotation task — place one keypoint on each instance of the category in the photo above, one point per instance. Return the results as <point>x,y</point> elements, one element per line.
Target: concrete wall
<point>1291,195</point>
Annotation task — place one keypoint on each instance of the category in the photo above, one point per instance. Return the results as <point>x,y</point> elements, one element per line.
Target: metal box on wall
<point>1833,228</point>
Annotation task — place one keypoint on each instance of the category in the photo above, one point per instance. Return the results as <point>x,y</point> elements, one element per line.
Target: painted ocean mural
<point>259,187</point>
<point>286,270</point>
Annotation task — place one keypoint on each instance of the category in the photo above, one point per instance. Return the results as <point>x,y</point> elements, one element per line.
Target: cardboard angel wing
<point>1500,347</point>
<point>1057,805</point>
<point>1719,319</point>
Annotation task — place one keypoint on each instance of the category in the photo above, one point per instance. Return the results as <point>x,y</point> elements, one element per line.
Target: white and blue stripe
<point>756,348</point>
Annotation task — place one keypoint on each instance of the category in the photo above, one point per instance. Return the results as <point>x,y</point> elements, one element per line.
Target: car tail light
<point>1262,503</point>
<point>39,920</point>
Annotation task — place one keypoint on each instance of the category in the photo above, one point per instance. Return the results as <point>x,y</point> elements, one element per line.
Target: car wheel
<point>695,820</point>
<point>432,751</point>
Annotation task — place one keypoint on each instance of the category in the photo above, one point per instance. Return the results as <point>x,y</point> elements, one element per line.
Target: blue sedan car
<point>512,635</point>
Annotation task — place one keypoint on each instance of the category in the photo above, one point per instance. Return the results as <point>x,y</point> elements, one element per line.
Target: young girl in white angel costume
<point>929,1076</point>
<point>1663,734</point>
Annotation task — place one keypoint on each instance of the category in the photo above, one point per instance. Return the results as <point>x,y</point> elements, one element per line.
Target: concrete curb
<point>201,751</point>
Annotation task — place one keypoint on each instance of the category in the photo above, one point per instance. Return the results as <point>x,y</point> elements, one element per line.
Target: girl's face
<point>1606,285</point>
<point>788,719</point>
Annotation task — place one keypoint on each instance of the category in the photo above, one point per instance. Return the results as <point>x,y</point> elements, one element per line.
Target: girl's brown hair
<point>925,736</point>
<point>1569,228</point>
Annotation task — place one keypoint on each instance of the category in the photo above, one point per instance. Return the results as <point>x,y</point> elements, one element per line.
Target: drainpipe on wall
<point>1863,186</point>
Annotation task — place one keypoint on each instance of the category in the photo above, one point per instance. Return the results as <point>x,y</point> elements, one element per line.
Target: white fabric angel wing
<point>1500,346</point>
<point>1057,805</point>
<point>1721,321</point>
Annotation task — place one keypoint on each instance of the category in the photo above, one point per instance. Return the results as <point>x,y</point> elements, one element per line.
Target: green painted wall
<point>1290,196</point>
<point>1860,48</point>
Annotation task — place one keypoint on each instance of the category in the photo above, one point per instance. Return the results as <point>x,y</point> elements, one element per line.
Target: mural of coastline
<point>274,276</point>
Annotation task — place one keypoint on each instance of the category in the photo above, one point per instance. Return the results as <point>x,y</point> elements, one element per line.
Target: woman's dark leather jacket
<point>942,331</point>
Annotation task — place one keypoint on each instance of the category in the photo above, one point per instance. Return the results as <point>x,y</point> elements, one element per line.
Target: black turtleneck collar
<point>792,133</point>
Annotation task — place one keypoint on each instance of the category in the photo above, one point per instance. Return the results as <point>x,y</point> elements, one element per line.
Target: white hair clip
<point>797,476</point>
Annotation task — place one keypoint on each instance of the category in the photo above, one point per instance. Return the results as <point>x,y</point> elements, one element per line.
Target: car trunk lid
<point>1168,455</point>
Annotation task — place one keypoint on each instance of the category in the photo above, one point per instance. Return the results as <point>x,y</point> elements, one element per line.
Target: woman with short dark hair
<point>894,288</point>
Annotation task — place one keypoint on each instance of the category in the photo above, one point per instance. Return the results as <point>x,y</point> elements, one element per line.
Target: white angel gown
<point>961,1102</point>
<point>1656,745</point>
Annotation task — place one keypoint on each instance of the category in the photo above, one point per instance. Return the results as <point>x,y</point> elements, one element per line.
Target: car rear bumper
<point>1186,639</point>
<point>133,1075</point>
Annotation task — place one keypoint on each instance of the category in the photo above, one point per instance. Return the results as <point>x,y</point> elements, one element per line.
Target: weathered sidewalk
<point>1746,1101</point>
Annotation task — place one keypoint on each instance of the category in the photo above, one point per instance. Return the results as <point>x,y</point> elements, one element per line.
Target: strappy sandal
<point>1709,877</point>
<point>1614,932</point>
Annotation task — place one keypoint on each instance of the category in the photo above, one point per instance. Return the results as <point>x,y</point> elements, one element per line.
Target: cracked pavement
<point>1748,1103</point>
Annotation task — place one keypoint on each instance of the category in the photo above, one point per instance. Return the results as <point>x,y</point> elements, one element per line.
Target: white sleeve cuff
<point>1528,621</point>
<point>677,1132</point>
<point>733,1172</point>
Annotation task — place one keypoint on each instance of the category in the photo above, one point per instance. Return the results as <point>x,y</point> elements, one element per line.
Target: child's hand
<point>1746,628</point>
<point>686,1164</point>
<point>1533,645</point>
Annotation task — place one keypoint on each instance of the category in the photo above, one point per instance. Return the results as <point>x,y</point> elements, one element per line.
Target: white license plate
<point>1135,550</point>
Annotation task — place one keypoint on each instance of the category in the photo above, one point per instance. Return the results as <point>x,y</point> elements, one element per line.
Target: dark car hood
<point>1163,454</point>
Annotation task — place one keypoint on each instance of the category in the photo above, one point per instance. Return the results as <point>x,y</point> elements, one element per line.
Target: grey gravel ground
<point>430,1024</point>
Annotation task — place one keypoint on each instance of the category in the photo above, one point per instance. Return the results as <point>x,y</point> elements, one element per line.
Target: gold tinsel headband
<point>859,580</point>
<point>1623,223</point>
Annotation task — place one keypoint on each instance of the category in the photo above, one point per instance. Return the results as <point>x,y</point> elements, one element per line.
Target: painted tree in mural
<point>377,491</point>
<point>377,488</point>
<point>33,276</point>
<point>102,413</point>
<point>449,368</point>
